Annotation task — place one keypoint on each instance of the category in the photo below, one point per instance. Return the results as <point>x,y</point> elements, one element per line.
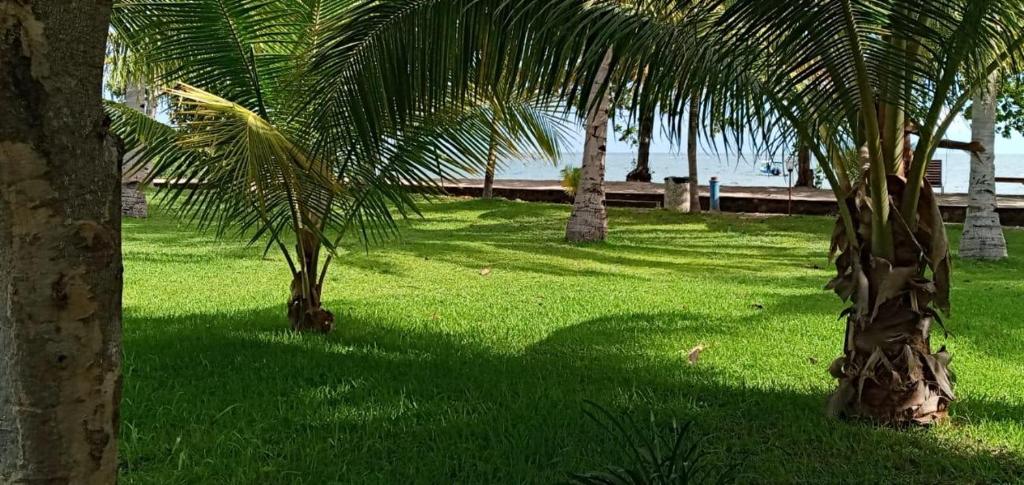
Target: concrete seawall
<point>765,200</point>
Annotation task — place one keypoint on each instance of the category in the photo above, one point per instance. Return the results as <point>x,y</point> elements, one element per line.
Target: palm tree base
<point>890,376</point>
<point>888,373</point>
<point>639,174</point>
<point>306,318</point>
<point>305,312</point>
<point>587,224</point>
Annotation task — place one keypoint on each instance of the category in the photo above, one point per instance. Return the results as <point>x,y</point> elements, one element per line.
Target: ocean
<point>736,171</point>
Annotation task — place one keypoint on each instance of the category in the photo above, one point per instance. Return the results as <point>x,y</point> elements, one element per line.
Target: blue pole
<point>715,205</point>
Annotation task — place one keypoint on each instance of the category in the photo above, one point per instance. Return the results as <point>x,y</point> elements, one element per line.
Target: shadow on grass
<point>481,244</point>
<point>237,398</point>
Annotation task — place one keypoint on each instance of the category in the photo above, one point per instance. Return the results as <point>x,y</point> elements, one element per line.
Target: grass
<point>440,374</point>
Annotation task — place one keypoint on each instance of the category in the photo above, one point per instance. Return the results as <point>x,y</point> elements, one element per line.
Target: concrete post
<point>715,189</point>
<point>677,194</point>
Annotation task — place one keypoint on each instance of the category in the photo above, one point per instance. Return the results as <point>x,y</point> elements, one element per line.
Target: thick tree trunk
<point>589,220</point>
<point>804,173</point>
<point>642,172</point>
<point>492,166</point>
<point>888,372</point>
<point>691,151</point>
<point>305,307</point>
<point>60,247</point>
<point>983,232</point>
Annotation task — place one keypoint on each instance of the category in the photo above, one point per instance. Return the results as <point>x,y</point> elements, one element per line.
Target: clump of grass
<point>657,455</point>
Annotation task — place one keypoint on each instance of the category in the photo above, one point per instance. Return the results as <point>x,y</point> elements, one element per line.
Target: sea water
<point>745,171</point>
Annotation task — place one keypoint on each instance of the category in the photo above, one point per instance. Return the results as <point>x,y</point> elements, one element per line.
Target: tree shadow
<point>481,244</point>
<point>384,402</point>
<point>234,397</point>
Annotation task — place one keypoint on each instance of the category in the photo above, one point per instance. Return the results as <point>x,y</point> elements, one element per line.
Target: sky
<point>960,130</point>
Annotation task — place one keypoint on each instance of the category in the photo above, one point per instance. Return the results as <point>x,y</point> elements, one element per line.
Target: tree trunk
<point>133,198</point>
<point>983,232</point>
<point>888,372</point>
<point>804,173</point>
<point>589,219</point>
<point>691,151</point>
<point>492,166</point>
<point>642,172</point>
<point>60,247</point>
<point>305,307</point>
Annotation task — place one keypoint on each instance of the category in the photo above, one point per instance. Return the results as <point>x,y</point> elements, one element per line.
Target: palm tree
<point>639,129</point>
<point>60,248</point>
<point>850,74</point>
<point>983,233</point>
<point>292,148</point>
<point>804,175</point>
<point>127,77</point>
<point>589,219</point>
<point>692,132</point>
<point>544,127</point>
<point>847,76</point>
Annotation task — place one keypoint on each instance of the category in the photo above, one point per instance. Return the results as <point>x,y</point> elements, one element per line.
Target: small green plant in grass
<point>658,455</point>
<point>571,180</point>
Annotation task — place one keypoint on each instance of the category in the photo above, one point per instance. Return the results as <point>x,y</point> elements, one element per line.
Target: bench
<point>933,174</point>
<point>1010,180</point>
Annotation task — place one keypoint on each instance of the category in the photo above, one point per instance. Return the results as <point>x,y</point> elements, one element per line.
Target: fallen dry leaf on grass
<point>694,354</point>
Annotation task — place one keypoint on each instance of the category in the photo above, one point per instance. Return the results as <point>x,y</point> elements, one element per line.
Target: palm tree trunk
<point>983,232</point>
<point>804,173</point>
<point>305,306</point>
<point>60,247</point>
<point>133,198</point>
<point>589,219</point>
<point>691,151</point>
<point>492,166</point>
<point>642,172</point>
<point>888,372</point>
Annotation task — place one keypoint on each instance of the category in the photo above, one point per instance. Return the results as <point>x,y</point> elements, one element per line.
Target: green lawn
<point>439,374</point>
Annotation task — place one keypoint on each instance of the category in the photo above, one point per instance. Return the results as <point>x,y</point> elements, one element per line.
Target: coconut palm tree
<point>640,112</point>
<point>846,76</point>
<point>294,149</point>
<point>692,132</point>
<point>983,232</point>
<point>589,219</point>
<point>127,77</point>
<point>545,128</point>
<point>853,75</point>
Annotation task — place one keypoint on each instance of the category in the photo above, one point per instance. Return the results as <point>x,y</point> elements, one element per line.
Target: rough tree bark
<point>691,151</point>
<point>589,219</point>
<point>804,173</point>
<point>888,372</point>
<point>60,254</point>
<point>642,172</point>
<point>983,232</point>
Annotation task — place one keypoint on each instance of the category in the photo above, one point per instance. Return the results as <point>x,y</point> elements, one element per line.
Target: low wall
<point>745,203</point>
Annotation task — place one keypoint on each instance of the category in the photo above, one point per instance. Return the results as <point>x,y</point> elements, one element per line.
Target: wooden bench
<point>1010,180</point>
<point>933,174</point>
